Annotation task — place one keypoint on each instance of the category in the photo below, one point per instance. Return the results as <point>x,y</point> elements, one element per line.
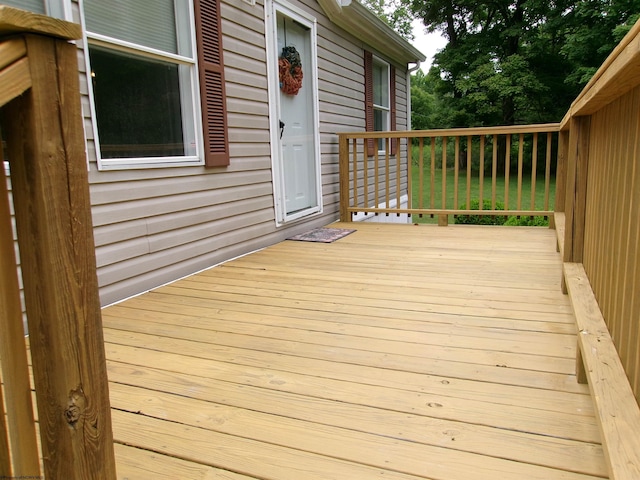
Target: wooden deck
<point>398,352</point>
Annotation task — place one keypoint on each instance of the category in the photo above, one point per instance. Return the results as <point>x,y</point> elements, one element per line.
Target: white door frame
<point>272,7</point>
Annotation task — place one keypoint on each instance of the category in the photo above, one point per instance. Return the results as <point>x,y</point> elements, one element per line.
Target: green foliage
<point>481,219</point>
<point>396,13</point>
<point>512,62</point>
<point>537,221</point>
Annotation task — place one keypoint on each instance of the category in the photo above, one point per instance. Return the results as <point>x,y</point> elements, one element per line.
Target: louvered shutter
<point>368,100</point>
<point>212,90</point>
<point>392,107</point>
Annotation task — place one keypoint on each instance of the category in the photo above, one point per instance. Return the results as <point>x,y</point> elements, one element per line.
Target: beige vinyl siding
<point>155,225</point>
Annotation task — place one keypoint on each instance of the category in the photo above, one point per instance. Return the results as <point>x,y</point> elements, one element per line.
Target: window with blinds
<point>143,72</point>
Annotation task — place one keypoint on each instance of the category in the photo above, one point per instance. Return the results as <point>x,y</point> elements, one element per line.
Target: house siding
<point>155,225</point>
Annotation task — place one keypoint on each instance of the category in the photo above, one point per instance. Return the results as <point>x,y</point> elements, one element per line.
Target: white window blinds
<point>150,23</point>
<point>36,6</point>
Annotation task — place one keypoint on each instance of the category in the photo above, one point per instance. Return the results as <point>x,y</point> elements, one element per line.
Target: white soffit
<point>353,17</point>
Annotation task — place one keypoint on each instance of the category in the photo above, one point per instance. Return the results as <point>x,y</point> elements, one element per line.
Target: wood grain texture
<point>50,188</point>
<point>11,50</point>
<point>398,351</point>
<point>14,20</point>
<point>14,80</point>
<point>15,373</point>
<point>618,412</point>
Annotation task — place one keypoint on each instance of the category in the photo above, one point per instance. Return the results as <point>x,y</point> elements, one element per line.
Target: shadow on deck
<point>397,352</point>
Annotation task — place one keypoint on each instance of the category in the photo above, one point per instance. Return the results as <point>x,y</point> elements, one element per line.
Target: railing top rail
<point>619,73</point>
<point>15,20</point>
<point>471,131</point>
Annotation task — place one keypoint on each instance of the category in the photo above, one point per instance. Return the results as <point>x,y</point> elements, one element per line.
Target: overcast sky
<point>427,43</point>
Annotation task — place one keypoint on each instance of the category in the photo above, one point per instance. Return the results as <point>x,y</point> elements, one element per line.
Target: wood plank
<point>618,412</point>
<point>559,227</point>
<point>138,464</point>
<point>546,451</point>
<point>14,20</point>
<point>326,441</point>
<point>14,80</point>
<point>244,456</point>
<point>11,50</point>
<point>5,454</point>
<point>535,371</point>
<point>469,325</point>
<point>557,424</point>
<point>15,372</point>
<point>300,362</point>
<point>524,342</point>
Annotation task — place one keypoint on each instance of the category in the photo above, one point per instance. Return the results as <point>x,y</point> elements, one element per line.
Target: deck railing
<point>599,213</point>
<point>496,171</point>
<point>42,125</point>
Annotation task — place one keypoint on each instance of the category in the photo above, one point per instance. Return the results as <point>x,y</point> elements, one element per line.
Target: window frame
<point>385,110</point>
<point>193,108</point>
<point>370,61</point>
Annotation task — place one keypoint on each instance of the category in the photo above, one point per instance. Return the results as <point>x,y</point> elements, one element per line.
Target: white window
<point>53,8</point>
<point>142,64</point>
<point>381,100</point>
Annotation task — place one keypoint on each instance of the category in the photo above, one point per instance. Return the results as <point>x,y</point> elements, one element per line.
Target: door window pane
<point>35,6</point>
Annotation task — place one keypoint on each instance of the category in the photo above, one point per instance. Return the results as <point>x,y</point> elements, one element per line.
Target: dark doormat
<point>323,235</point>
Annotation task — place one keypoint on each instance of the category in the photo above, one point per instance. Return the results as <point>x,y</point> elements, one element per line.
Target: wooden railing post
<point>575,204</point>
<point>561,170</point>
<point>343,159</point>
<point>45,143</point>
<point>576,189</point>
<point>13,352</point>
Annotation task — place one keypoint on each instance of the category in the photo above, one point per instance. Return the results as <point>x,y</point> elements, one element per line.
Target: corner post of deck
<point>575,204</point>
<point>45,144</point>
<point>576,189</point>
<point>343,159</point>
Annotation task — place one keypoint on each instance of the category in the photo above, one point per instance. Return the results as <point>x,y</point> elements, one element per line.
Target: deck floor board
<point>398,352</point>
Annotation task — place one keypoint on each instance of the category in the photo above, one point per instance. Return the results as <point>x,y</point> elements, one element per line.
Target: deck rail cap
<point>15,21</point>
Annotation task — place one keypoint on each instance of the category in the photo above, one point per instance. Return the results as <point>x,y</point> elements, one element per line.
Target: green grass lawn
<point>475,191</point>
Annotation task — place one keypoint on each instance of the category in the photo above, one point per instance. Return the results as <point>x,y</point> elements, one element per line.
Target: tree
<point>518,61</point>
<point>396,13</point>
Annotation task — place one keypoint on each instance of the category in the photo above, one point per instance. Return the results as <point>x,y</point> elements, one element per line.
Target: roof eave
<point>364,25</point>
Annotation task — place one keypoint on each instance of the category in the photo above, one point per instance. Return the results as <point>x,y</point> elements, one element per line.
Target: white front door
<point>296,152</point>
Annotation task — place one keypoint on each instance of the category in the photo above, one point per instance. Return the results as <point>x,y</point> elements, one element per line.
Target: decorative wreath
<point>290,69</point>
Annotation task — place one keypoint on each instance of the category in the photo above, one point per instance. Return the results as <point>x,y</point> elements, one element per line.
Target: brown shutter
<point>392,95</point>
<point>212,91</point>
<point>368,100</point>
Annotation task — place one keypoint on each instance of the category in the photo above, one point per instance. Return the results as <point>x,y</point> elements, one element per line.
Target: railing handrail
<point>374,181</point>
<point>457,132</point>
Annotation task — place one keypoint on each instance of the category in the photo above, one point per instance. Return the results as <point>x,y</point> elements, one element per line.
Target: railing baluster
<point>456,172</point>
<point>507,165</point>
<point>534,167</point>
<point>494,172</point>
<point>444,173</point>
<point>520,166</point>
<point>433,173</point>
<point>376,159</point>
<point>398,176</point>
<point>355,170</point>
<point>469,173</point>
<point>547,173</point>
<point>421,173</point>
<point>409,174</point>
<point>365,171</point>
<point>387,173</point>
<point>481,174</point>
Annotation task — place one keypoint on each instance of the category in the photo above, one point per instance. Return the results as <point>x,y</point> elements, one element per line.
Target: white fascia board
<point>364,25</point>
